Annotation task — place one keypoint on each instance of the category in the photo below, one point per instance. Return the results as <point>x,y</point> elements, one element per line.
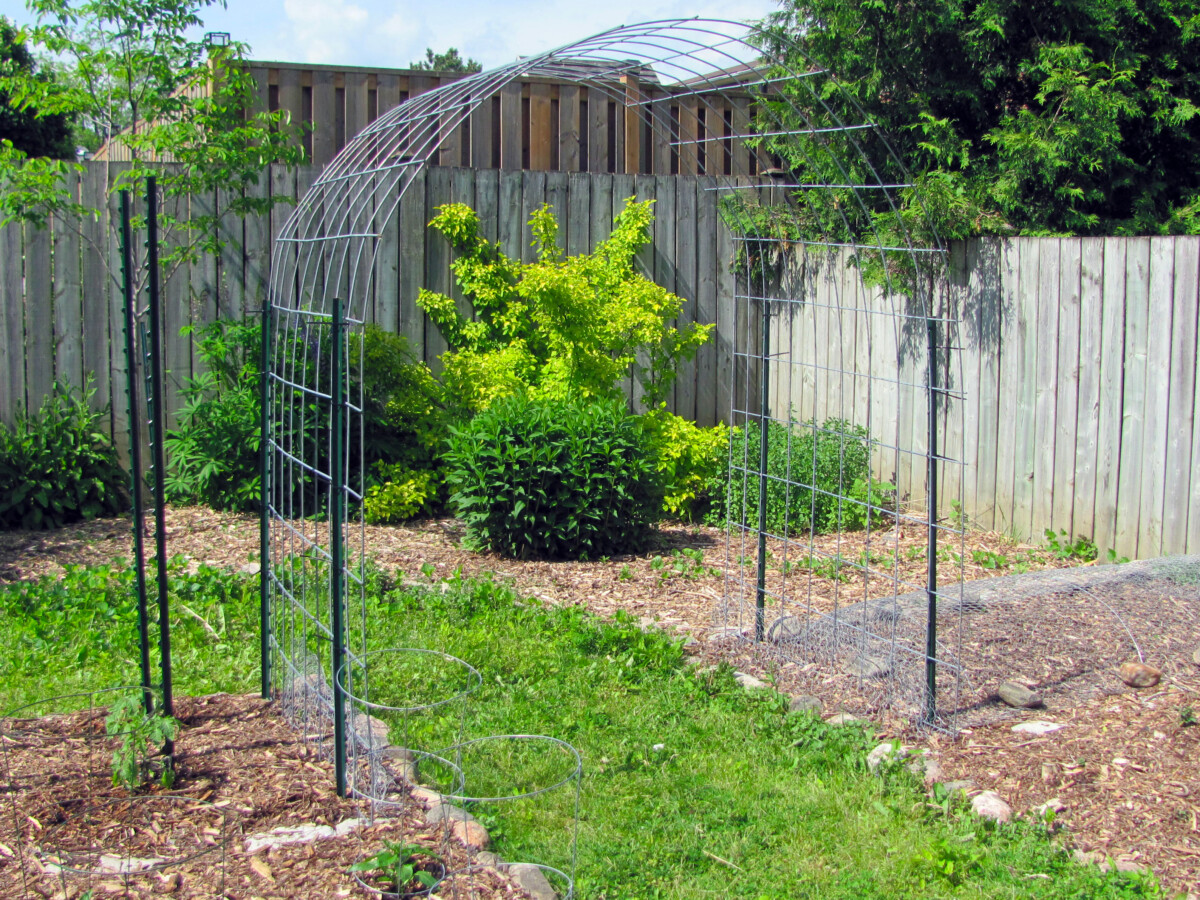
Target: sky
<point>395,33</point>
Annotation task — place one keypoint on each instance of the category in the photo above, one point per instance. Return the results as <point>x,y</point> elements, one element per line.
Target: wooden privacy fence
<point>1076,363</point>
<point>595,121</point>
<point>61,302</point>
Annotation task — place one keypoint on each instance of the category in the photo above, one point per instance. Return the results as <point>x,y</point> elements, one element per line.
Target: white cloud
<point>325,31</point>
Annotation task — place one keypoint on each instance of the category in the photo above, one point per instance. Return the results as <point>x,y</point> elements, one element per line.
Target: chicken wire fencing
<point>837,332</point>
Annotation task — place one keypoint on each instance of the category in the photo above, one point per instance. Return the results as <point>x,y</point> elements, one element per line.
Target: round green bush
<point>554,478</point>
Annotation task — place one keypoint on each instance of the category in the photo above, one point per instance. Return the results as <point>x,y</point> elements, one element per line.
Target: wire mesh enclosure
<point>835,348</point>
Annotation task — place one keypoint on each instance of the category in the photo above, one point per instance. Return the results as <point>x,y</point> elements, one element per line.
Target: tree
<point>29,131</point>
<point>1015,116</point>
<point>133,76</point>
<point>449,61</point>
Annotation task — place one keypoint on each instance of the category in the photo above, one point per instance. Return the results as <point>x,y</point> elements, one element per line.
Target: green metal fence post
<point>337,476</point>
<point>264,541</point>
<point>135,451</point>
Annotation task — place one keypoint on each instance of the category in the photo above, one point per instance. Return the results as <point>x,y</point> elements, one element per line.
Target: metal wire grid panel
<point>827,351</point>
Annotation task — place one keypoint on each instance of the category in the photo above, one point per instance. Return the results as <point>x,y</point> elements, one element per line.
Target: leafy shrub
<point>817,477</point>
<point>213,453</point>
<point>214,450</point>
<point>56,467</point>
<point>402,494</point>
<point>689,459</point>
<point>554,478</point>
<point>560,326</point>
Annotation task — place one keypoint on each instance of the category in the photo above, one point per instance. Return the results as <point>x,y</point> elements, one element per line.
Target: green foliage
<point>138,73</point>
<point>404,420</point>
<point>56,467</point>
<point>138,731</point>
<point>30,132</point>
<point>77,631</point>
<point>398,864</point>
<point>1062,547</point>
<point>449,61</point>
<point>213,453</point>
<point>688,458</point>
<point>554,478</point>
<point>214,450</point>
<point>560,326</point>
<point>1052,117</point>
<point>401,494</point>
<point>818,478</point>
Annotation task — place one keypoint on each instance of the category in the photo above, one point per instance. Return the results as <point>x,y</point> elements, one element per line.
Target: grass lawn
<point>693,787</point>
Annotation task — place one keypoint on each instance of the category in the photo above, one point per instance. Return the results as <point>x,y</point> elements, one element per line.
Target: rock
<point>842,719</point>
<point>443,811</point>
<point>964,785</point>
<point>471,833</point>
<point>1196,656</point>
<point>1128,865</point>
<point>302,834</point>
<point>250,569</point>
<point>1096,858</point>
<point>371,731</point>
<point>487,858</point>
<point>865,666</point>
<point>728,633</point>
<point>1053,805</point>
<point>988,805</point>
<point>1037,727</point>
<point>925,765</point>
<point>785,629</point>
<point>287,834</point>
<point>1015,694</point>
<point>533,881</point>
<point>886,752</point>
<point>169,884</point>
<point>125,865</point>
<point>806,704</point>
<point>402,753</point>
<point>749,682</point>
<point>1139,675</point>
<point>426,797</point>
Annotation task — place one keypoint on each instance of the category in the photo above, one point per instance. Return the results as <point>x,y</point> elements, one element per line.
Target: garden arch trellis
<point>814,339</point>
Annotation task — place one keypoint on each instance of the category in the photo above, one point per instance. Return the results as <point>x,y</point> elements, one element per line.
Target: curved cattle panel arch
<point>823,316</point>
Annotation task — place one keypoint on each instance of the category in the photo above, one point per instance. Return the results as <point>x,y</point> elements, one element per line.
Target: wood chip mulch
<point>1144,810</point>
<point>241,771</point>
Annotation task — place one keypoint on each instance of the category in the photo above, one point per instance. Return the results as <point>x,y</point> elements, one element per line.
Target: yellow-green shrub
<point>401,494</point>
<point>688,458</point>
<point>560,327</point>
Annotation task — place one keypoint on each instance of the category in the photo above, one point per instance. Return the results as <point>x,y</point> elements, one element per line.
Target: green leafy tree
<point>1042,117</point>
<point>133,75</point>
<point>30,133</point>
<point>449,61</point>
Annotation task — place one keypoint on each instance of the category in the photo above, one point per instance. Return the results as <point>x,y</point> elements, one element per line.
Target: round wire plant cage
<point>420,698</point>
<point>383,881</point>
<point>530,783</point>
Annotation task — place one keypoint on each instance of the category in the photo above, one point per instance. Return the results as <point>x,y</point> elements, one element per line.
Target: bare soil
<point>1124,768</point>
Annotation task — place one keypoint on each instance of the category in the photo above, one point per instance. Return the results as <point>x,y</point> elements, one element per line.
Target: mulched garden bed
<point>242,770</point>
